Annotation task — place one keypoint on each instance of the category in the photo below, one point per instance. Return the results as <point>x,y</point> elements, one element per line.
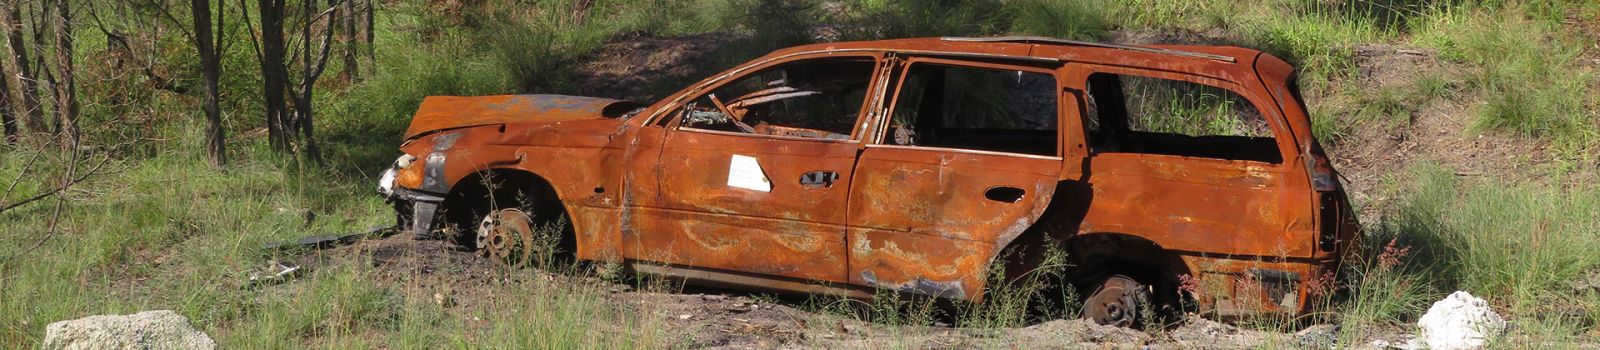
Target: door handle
<point>1004,194</point>
<point>818,179</point>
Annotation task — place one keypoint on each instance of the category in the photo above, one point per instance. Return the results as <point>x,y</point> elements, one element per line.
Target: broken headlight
<point>386,181</point>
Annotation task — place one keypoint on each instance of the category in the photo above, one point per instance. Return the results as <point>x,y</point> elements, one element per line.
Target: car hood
<point>452,112</point>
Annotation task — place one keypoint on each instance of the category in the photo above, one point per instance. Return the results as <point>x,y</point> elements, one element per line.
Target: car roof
<point>1206,60</point>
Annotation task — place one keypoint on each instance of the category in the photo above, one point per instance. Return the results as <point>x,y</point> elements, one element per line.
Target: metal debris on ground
<point>1321,336</point>
<point>275,272</point>
<point>332,240</point>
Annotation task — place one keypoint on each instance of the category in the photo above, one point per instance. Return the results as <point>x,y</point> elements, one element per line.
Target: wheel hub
<point>505,236</point>
<point>1117,302</point>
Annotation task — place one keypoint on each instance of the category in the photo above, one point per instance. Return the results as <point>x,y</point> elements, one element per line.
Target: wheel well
<point>1097,255</point>
<point>1091,257</point>
<point>480,193</point>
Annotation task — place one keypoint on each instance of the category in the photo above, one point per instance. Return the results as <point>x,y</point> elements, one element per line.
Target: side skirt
<point>736,280</point>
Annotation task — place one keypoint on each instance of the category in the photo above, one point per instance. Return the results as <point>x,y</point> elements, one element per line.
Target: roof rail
<point>1047,40</point>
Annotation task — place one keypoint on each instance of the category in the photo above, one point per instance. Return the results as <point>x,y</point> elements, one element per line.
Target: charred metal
<point>1174,175</point>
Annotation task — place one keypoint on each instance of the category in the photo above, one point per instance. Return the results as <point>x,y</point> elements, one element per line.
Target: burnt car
<point>1177,175</point>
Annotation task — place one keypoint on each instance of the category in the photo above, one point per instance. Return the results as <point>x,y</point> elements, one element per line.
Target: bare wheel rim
<point>1119,301</point>
<point>505,235</point>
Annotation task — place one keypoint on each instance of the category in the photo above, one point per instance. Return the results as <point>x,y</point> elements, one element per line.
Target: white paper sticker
<point>744,172</point>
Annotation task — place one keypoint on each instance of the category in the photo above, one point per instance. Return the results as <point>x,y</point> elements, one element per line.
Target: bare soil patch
<point>1435,132</point>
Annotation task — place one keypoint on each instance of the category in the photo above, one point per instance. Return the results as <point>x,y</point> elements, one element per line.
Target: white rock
<point>1460,321</point>
<point>160,329</point>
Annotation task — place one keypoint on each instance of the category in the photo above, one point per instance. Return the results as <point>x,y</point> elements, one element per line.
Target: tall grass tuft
<point>548,315</point>
<point>1070,19</point>
<point>1524,70</point>
<point>1517,246</point>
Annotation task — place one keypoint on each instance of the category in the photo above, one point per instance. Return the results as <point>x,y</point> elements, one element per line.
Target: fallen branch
<point>333,240</point>
<point>63,187</point>
<point>55,215</point>
<point>24,173</point>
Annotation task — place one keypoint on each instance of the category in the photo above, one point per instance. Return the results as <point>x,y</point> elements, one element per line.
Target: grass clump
<point>570,316</point>
<point>333,307</point>
<point>132,230</point>
<point>1517,246</point>
<point>1397,105</point>
<point>1061,19</point>
<point>1524,71</point>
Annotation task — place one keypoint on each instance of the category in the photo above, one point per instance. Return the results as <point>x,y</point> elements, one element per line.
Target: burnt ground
<point>645,68</point>
<point>725,319</point>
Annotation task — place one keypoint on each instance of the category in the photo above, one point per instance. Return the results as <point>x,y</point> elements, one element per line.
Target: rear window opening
<point>1135,114</point>
<point>984,109</point>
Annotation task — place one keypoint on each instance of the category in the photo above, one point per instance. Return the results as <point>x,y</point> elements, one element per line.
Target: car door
<point>966,159</point>
<point>753,174</point>
<point>1200,158</point>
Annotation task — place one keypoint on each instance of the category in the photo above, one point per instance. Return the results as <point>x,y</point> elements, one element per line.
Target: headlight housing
<point>404,161</point>
<point>386,181</point>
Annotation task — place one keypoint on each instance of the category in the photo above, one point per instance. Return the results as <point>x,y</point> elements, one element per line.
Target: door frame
<point>670,120</point>
<point>973,278</point>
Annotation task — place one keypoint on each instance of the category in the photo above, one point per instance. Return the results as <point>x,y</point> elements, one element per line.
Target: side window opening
<point>813,99</point>
<point>975,108</point>
<point>1134,114</point>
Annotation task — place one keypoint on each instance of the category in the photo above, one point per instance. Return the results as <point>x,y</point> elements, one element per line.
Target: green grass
<point>1524,69</point>
<point>164,224</point>
<point>1515,245</point>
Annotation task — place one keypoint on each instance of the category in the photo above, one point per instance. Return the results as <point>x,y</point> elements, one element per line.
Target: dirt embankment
<point>634,67</point>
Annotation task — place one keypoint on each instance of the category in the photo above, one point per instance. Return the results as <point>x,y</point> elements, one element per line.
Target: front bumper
<point>414,209</point>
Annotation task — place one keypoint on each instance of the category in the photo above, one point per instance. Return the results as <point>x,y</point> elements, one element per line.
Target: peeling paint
<point>948,289</point>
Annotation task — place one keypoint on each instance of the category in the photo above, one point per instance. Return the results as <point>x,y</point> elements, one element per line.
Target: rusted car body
<point>912,166</point>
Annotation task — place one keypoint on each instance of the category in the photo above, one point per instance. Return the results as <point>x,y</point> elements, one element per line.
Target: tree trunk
<point>308,79</point>
<point>302,99</point>
<point>210,69</point>
<point>33,114</point>
<point>347,20</point>
<point>7,118</point>
<point>39,20</point>
<point>372,51</point>
<point>67,90</point>
<point>273,74</point>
